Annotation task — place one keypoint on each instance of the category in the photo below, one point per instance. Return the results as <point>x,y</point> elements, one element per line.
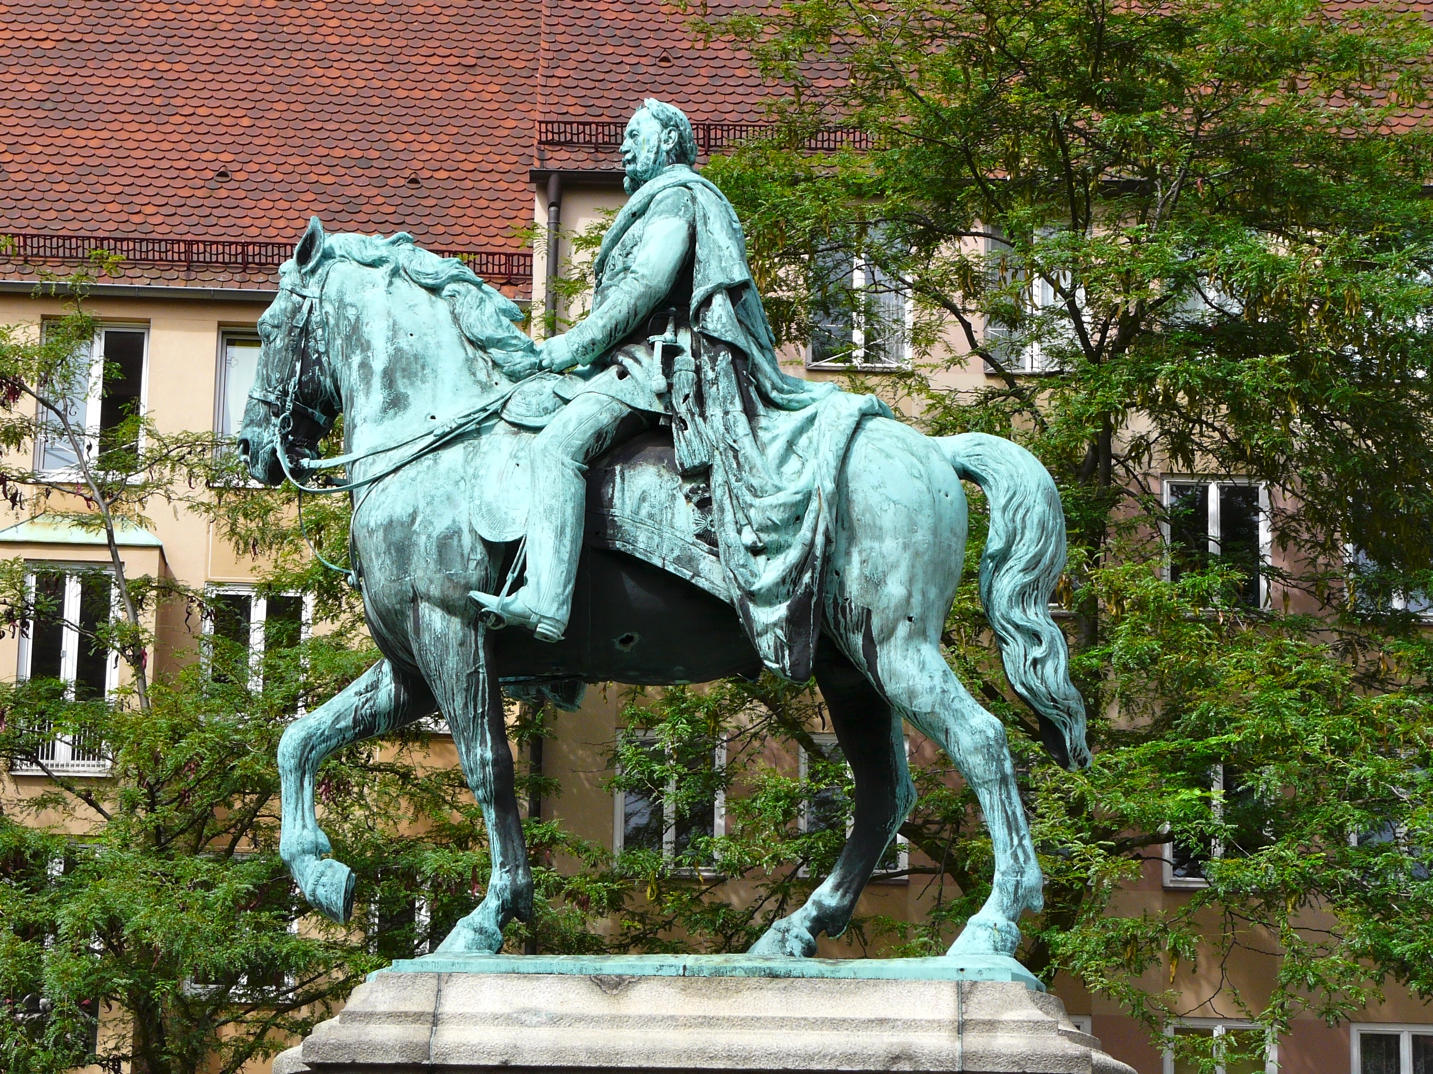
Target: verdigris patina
<point>778,522</point>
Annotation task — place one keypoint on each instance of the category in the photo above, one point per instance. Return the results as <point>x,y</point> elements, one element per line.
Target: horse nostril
<point>244,448</point>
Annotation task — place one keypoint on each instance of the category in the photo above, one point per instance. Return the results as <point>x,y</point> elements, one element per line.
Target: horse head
<point>332,287</point>
<point>292,405</point>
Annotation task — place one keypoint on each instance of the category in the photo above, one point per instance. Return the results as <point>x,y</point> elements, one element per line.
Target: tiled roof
<point>600,60</point>
<point>229,119</point>
<point>236,119</point>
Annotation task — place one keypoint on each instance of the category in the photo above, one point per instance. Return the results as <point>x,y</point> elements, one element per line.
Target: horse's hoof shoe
<point>983,936</point>
<point>331,890</point>
<point>786,941</point>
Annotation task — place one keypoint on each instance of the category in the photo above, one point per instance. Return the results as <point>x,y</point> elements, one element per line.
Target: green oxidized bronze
<point>651,466</point>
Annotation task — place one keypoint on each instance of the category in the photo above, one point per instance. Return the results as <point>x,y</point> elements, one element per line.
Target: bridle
<point>303,426</point>
<point>300,425</point>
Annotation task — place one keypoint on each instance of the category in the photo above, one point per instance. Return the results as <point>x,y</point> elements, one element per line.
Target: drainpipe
<point>554,222</point>
<point>534,806</point>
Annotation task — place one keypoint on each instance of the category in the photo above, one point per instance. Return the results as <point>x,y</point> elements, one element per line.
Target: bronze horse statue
<point>405,345</point>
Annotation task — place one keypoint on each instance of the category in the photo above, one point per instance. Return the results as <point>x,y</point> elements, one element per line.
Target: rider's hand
<point>556,354</point>
<point>522,366</point>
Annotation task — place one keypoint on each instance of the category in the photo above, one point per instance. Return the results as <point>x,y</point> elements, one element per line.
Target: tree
<point>1183,237</point>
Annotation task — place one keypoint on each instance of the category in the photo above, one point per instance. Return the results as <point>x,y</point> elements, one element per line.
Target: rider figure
<point>647,275</point>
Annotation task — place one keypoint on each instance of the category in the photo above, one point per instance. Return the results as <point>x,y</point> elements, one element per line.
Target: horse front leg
<point>377,701</point>
<point>456,656</point>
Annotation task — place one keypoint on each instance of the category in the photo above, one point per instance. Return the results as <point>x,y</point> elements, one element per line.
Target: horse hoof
<point>987,936</point>
<point>330,890</point>
<point>471,939</point>
<point>785,940</point>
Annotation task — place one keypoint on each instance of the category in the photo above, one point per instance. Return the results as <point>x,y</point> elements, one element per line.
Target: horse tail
<point>1024,555</point>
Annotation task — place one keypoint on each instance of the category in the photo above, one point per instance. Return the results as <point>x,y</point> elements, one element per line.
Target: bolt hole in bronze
<point>648,499</point>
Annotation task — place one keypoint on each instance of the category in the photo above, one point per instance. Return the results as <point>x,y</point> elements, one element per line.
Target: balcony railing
<point>711,137</point>
<point>495,266</point>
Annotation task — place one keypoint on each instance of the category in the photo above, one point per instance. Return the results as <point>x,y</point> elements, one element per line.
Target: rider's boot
<point>554,542</point>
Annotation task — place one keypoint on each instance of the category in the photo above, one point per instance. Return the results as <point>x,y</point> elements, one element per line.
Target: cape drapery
<point>776,443</point>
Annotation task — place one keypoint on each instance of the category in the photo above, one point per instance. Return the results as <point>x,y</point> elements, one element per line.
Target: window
<point>1235,800</point>
<point>109,390</point>
<point>828,802</point>
<point>1375,590</point>
<point>1040,327</point>
<point>1392,1049</point>
<point>238,365</point>
<point>258,975</point>
<point>1220,1037</point>
<point>861,316</point>
<point>252,625</point>
<point>1219,522</point>
<point>398,917</point>
<point>1083,1022</point>
<point>70,605</point>
<point>644,820</point>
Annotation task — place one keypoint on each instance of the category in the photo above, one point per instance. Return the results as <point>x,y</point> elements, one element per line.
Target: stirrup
<point>500,611</point>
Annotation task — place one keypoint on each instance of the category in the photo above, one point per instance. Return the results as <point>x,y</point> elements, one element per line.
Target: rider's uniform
<point>617,388</point>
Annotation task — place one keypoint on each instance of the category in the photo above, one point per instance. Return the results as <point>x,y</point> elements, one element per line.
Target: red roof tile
<point>119,116</point>
<point>237,119</point>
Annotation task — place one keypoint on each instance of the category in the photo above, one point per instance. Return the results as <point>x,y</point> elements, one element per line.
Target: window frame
<point>64,763</point>
<point>1216,845</point>
<point>669,820</point>
<point>1213,522</point>
<point>1029,360</point>
<point>860,269</point>
<point>94,399</point>
<point>897,875</point>
<point>1220,1026</point>
<point>1217,848</point>
<point>1405,1031</point>
<point>227,333</point>
<point>1398,601</point>
<point>258,617</point>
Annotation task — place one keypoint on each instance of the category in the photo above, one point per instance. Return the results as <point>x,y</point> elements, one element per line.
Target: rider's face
<point>644,149</point>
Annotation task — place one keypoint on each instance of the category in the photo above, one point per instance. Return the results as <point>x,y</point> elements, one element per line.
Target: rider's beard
<point>643,171</point>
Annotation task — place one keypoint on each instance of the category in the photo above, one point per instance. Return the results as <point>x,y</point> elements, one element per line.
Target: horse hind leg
<point>870,738</point>
<point>924,690</point>
<point>378,701</point>
<point>456,656</point>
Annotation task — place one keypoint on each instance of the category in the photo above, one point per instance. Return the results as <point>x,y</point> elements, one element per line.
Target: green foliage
<point>1206,217</point>
<point>1225,218</point>
<point>1183,237</point>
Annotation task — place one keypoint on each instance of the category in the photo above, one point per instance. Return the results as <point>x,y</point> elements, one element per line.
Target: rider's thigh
<point>585,427</point>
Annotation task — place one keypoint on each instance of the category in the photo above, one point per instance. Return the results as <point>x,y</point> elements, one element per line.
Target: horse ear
<point>310,247</point>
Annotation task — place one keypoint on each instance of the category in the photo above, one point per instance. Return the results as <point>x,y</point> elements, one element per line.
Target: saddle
<point>637,501</point>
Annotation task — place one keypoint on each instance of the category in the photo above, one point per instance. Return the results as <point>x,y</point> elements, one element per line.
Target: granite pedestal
<point>654,1015</point>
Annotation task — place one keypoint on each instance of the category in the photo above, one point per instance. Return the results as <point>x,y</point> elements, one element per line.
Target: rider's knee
<point>558,454</point>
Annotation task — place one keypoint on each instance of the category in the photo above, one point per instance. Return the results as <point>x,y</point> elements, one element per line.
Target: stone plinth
<point>573,1022</point>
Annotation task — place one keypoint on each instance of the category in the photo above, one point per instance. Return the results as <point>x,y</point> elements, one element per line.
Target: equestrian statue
<point>646,498</point>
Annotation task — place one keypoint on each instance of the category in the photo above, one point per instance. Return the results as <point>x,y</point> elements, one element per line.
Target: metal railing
<point>711,137</point>
<point>495,266</point>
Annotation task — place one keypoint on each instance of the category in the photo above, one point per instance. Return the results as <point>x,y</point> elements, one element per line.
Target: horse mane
<point>486,317</point>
